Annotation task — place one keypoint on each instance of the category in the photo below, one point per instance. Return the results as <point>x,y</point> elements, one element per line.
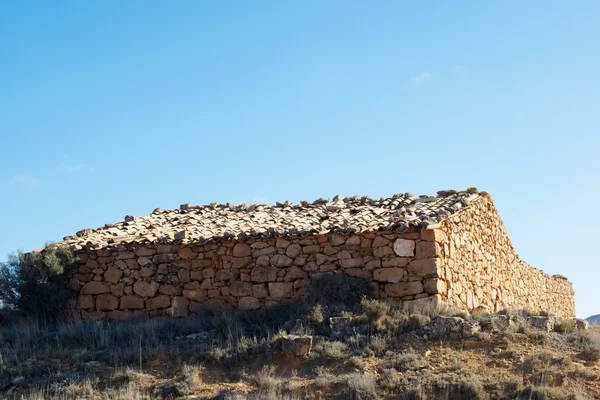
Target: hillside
<point>594,319</point>
<point>331,346</point>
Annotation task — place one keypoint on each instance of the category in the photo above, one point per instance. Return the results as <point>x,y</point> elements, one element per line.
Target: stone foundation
<point>467,262</point>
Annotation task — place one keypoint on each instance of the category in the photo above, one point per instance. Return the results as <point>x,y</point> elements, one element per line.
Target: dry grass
<point>381,354</point>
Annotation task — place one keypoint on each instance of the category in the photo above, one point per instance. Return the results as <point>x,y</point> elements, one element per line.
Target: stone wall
<point>178,280</point>
<point>468,262</point>
<point>483,270</point>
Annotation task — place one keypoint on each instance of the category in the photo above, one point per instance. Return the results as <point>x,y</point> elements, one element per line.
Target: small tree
<point>34,283</point>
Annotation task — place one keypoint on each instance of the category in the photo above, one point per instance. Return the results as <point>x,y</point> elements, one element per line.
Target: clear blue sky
<point>110,108</point>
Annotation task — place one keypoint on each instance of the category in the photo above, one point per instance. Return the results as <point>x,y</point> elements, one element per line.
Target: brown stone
<point>145,251</point>
<point>124,255</point>
<point>240,262</point>
<point>131,303</point>
<point>186,253</point>
<point>179,307</point>
<point>168,290</point>
<point>95,288</point>
<point>281,289</point>
<point>433,235</point>
<point>434,286</point>
<point>194,294</point>
<point>208,273</point>
<point>392,275</point>
<point>119,315</point>
<point>106,302</point>
<point>428,250</point>
<point>183,275</point>
<point>427,268</point>
<point>279,260</point>
<point>93,315</point>
<point>294,273</point>
<point>240,289</point>
<point>146,289</point>
<point>249,303</point>
<point>395,262</point>
<point>380,241</point>
<point>296,345</point>
<point>85,302</point>
<point>282,243</point>
<point>263,274</point>
<point>146,272</point>
<point>202,263</point>
<point>161,301</point>
<point>196,275</point>
<point>260,291</point>
<point>293,250</point>
<point>117,290</point>
<point>241,250</point>
<point>206,284</point>
<point>166,248</point>
<point>358,272</point>
<point>352,263</point>
<point>311,249</point>
<point>403,289</point>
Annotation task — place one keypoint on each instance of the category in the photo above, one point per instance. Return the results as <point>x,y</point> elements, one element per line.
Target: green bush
<point>34,283</point>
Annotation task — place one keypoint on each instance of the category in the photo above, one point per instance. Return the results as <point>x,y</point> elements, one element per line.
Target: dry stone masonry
<point>450,249</point>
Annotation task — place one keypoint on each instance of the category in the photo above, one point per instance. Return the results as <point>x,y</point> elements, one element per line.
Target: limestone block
<point>395,262</point>
<point>434,285</point>
<point>352,263</point>
<point>280,260</point>
<point>95,287</point>
<point>196,294</point>
<point>145,251</point>
<point>403,289</point>
<point>249,303</point>
<point>260,291</point>
<point>85,302</point>
<point>281,289</point>
<point>294,273</point>
<point>392,275</point>
<point>263,274</point>
<point>380,241</point>
<point>428,250</point>
<point>106,302</point>
<point>240,289</point>
<point>293,250</point>
<point>404,247</point>
<point>131,303</point>
<point>311,249</point>
<point>145,289</point>
<point>160,301</point>
<point>296,345</point>
<point>120,315</point>
<point>241,250</point>
<point>179,307</point>
<point>427,268</point>
<point>358,273</point>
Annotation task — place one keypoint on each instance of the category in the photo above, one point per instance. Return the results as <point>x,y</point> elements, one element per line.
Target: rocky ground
<point>317,349</point>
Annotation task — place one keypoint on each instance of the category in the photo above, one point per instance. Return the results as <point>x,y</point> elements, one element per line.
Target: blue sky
<point>113,108</point>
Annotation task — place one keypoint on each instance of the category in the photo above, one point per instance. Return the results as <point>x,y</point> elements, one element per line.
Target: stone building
<point>451,248</point>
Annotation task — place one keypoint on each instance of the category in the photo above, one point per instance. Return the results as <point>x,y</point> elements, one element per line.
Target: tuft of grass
<point>333,350</point>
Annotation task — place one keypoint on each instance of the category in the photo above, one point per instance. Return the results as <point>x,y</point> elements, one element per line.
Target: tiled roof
<point>226,221</point>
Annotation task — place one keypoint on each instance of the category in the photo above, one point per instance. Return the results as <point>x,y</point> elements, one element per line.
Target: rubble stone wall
<point>468,262</point>
<point>178,280</point>
<point>481,268</point>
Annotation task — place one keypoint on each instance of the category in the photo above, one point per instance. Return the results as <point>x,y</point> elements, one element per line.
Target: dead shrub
<point>332,350</point>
